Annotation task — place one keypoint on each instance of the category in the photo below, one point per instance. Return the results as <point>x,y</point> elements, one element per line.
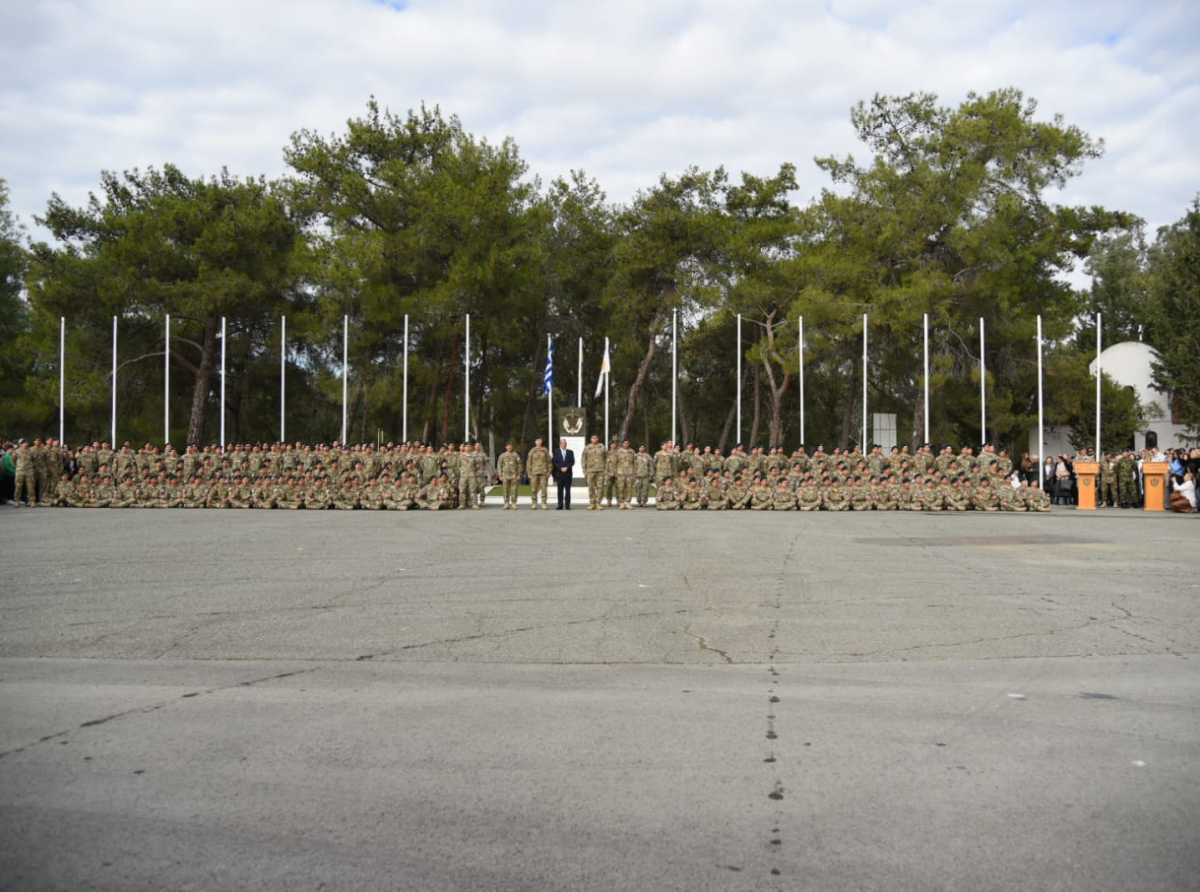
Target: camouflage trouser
<point>610,487</point>
<point>25,480</point>
<point>468,491</point>
<point>595,481</point>
<point>1108,491</point>
<point>641,488</point>
<point>1128,491</point>
<point>510,491</point>
<point>624,489</point>
<point>480,490</point>
<point>537,487</point>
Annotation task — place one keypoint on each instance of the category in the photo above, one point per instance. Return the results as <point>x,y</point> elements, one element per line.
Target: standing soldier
<point>468,490</point>
<point>626,465</point>
<point>41,470</point>
<point>610,473</point>
<point>25,478</point>
<point>479,467</point>
<point>537,465</point>
<point>593,469</point>
<point>1127,480</point>
<point>509,466</point>
<point>1108,481</point>
<point>664,465</point>
<point>643,468</point>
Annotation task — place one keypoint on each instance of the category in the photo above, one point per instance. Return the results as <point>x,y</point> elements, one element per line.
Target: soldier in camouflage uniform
<point>1126,468</point>
<point>625,460</point>
<point>479,467</point>
<point>643,469</point>
<point>784,498</point>
<point>666,498</point>
<point>537,466</point>
<point>809,497</point>
<point>690,498</point>
<point>664,464</point>
<point>25,481</point>
<point>1108,482</point>
<point>610,473</point>
<point>593,470</point>
<point>509,466</point>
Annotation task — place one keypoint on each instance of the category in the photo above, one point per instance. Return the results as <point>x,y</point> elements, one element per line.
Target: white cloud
<point>624,90</point>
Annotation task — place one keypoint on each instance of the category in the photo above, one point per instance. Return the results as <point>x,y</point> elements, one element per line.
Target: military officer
<point>537,465</point>
<point>593,470</point>
<point>509,467</point>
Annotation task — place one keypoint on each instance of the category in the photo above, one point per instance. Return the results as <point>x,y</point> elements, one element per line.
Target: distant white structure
<point>1129,364</point>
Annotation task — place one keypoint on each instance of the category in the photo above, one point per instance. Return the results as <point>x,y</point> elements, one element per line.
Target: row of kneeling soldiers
<point>316,493</point>
<point>714,492</point>
<point>852,494</point>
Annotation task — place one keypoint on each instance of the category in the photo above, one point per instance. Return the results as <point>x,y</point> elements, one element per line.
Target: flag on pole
<point>603,371</point>
<point>548,378</point>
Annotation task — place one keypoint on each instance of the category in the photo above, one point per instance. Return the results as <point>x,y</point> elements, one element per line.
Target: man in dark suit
<point>564,463</point>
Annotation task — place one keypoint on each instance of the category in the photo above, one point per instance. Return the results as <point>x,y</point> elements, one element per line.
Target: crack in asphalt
<point>143,710</point>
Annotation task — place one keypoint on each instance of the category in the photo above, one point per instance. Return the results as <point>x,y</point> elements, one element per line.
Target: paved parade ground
<point>625,700</point>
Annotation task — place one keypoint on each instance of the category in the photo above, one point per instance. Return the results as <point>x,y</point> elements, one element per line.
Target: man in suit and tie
<point>564,463</point>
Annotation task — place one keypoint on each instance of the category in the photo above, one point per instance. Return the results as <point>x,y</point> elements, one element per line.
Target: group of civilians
<point>1121,473</point>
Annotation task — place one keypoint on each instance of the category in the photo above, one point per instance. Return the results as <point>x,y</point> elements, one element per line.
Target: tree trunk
<point>775,435</point>
<point>203,386</point>
<point>646,421</point>
<point>639,381</point>
<point>777,412</point>
<point>849,407</point>
<point>757,406</point>
<point>683,420</point>
<point>918,426</point>
<point>450,388</point>
<point>731,416</point>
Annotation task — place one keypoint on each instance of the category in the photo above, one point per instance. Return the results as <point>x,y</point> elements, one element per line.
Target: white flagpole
<point>606,374</point>
<point>114,385</point>
<point>982,387</point>
<point>549,404</point>
<point>282,379</point>
<point>404,411</point>
<point>802,440</point>
<point>467,389</point>
<point>224,340</point>
<point>864,424</point>
<point>674,368</point>
<point>579,383</point>
<point>739,378</point>
<point>167,384</point>
<point>345,373</point>
<point>926,338</point>
<point>62,376</point>
<point>1098,377</point>
<point>1041,422</point>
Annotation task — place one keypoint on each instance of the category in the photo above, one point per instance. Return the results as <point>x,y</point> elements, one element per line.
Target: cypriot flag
<point>603,370</point>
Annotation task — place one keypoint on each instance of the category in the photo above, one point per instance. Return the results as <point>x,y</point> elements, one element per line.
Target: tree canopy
<point>400,218</point>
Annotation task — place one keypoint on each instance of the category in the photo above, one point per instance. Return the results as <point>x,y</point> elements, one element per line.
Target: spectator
<point>7,474</point>
<point>1183,499</point>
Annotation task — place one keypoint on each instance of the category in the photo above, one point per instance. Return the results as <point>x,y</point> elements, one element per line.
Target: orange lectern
<point>1154,484</point>
<point>1086,475</point>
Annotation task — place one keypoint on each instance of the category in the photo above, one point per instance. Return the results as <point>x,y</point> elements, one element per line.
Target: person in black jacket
<point>564,466</point>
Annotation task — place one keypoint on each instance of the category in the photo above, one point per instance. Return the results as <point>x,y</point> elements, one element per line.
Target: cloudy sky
<point>623,90</point>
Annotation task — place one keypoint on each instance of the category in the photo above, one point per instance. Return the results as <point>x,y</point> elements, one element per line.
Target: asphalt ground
<point>616,700</point>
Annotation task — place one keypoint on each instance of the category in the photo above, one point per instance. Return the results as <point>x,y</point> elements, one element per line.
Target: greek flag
<point>548,378</point>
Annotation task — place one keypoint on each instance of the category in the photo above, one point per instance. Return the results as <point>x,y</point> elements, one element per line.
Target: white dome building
<point>1129,364</point>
